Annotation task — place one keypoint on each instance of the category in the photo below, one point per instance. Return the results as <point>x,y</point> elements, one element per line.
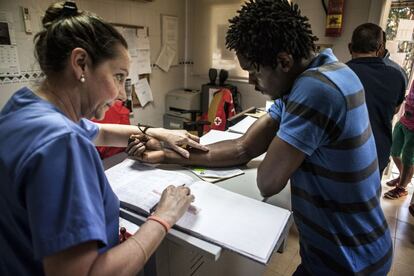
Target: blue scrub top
<point>53,191</point>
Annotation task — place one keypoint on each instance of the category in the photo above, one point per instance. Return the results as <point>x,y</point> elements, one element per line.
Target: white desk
<point>181,254</point>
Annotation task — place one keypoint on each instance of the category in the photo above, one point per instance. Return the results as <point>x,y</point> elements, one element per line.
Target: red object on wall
<point>117,114</point>
<point>335,18</point>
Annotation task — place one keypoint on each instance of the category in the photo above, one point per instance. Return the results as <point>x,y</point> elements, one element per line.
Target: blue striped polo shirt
<point>335,192</point>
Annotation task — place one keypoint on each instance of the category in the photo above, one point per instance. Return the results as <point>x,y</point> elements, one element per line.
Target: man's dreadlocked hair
<point>264,28</point>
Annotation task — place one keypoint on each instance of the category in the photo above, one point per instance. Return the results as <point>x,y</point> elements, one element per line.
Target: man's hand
<point>145,148</point>
<point>138,143</point>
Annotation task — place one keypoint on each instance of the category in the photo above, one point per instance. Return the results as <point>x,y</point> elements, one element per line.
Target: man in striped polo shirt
<point>317,134</point>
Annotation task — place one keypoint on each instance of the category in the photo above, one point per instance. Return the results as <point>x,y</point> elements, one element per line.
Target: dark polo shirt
<point>384,90</point>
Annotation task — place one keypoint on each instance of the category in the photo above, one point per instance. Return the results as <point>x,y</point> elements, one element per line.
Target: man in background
<point>383,84</point>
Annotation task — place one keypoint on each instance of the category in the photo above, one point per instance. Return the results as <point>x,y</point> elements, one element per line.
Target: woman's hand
<point>173,203</point>
<point>177,140</point>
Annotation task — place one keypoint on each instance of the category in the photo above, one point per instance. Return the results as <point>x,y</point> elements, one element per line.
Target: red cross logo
<point>217,121</point>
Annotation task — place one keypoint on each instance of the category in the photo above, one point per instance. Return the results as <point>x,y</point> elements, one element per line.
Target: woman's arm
<point>129,257</point>
<point>115,135</point>
<point>126,258</point>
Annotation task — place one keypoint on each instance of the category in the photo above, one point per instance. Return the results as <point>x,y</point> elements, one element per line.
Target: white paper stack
<point>214,136</point>
<point>244,225</point>
<point>243,125</point>
<point>216,174</point>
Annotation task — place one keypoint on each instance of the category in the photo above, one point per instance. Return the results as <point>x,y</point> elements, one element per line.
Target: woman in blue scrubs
<point>59,214</point>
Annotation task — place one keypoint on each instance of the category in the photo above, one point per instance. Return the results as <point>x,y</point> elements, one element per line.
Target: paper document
<point>144,62</point>
<point>143,91</point>
<point>143,43</point>
<point>133,69</point>
<point>169,32</point>
<point>247,226</point>
<point>257,114</point>
<point>405,30</point>
<point>398,58</point>
<point>214,136</point>
<point>166,57</point>
<point>135,183</point>
<point>392,46</point>
<point>244,225</point>
<point>217,173</point>
<point>243,125</point>
<point>9,58</point>
<point>211,175</point>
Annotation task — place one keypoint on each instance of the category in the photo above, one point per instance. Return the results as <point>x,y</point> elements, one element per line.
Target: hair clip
<point>69,8</point>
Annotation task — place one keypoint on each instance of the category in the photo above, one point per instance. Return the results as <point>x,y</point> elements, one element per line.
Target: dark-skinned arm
<point>281,161</point>
<point>230,152</point>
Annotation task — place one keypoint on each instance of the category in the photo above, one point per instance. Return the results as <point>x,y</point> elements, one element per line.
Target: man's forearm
<point>232,152</point>
<point>221,154</point>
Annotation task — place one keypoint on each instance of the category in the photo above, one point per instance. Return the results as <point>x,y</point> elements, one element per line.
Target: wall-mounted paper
<point>143,91</point>
<point>398,58</point>
<point>134,69</point>
<point>143,43</point>
<point>170,34</point>
<point>9,59</point>
<point>144,62</point>
<point>392,46</point>
<point>405,30</point>
<point>165,58</point>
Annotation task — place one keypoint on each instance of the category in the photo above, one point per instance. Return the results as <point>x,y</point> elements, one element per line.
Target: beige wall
<point>205,18</point>
<point>148,14</point>
<point>356,13</point>
<point>118,11</point>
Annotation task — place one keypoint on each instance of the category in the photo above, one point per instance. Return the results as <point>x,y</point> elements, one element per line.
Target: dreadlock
<point>264,28</point>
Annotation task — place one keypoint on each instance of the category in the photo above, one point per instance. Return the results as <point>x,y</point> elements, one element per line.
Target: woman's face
<point>105,84</point>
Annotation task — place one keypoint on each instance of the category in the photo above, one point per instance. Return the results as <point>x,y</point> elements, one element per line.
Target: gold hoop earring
<point>82,78</point>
